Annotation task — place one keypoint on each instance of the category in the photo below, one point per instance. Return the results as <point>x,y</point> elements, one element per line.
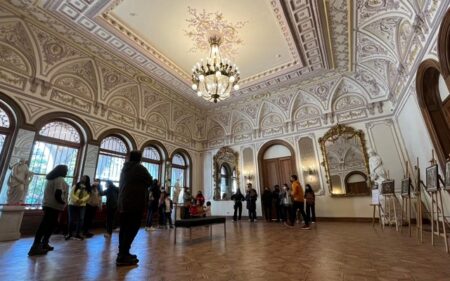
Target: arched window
<point>6,129</point>
<point>152,160</point>
<point>113,150</point>
<point>57,142</point>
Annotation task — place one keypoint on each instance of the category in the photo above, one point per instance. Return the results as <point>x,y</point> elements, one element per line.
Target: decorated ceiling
<point>305,64</point>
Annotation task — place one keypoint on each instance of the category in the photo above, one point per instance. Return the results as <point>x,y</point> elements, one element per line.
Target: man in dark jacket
<point>267,204</point>
<point>134,182</point>
<point>251,198</point>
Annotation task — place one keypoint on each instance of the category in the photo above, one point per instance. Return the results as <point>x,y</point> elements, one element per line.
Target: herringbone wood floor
<point>260,251</point>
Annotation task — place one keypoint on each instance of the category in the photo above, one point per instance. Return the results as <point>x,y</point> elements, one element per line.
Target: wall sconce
<point>248,177</point>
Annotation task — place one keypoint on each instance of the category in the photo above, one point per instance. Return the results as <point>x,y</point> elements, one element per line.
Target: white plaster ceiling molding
<point>295,48</point>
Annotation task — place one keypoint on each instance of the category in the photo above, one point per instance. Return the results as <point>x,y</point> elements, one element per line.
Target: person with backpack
<point>112,195</point>
<point>286,203</point>
<point>251,198</point>
<point>78,198</point>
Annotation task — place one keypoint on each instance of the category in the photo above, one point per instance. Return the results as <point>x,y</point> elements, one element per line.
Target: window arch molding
<point>428,96</point>
<point>125,136</point>
<point>162,150</point>
<point>188,161</point>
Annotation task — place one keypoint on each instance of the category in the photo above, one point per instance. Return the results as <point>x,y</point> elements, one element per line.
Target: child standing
<point>310,203</point>
<point>168,204</point>
<point>208,209</point>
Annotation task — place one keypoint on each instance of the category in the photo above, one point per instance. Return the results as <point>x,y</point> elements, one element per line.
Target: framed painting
<point>432,179</point>
<point>388,187</point>
<point>447,175</point>
<point>406,187</point>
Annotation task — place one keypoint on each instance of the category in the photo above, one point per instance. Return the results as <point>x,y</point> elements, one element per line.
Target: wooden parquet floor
<point>260,251</point>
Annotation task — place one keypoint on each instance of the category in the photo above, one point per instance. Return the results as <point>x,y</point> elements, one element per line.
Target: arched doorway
<point>276,160</point>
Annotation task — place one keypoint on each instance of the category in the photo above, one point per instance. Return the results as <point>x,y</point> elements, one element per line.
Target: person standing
<point>251,198</point>
<point>94,203</point>
<point>53,203</point>
<point>286,203</point>
<point>154,194</point>
<point>187,198</point>
<point>168,209</point>
<point>237,198</point>
<point>112,195</point>
<point>267,204</point>
<point>310,198</point>
<point>298,202</point>
<point>78,198</point>
<point>276,201</point>
<point>133,185</point>
<point>200,199</point>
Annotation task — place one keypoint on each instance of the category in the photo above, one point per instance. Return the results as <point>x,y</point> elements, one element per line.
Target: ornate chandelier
<point>214,77</point>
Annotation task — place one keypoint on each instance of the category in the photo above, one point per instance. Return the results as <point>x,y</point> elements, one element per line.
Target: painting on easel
<point>388,187</point>
<point>447,175</point>
<point>406,184</point>
<point>432,178</point>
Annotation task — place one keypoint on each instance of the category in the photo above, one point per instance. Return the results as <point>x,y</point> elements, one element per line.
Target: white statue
<point>377,171</point>
<point>18,182</point>
<point>176,191</point>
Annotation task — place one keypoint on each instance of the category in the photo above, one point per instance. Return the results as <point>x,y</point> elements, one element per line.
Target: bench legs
<point>225,231</point>
<point>175,236</point>
<point>190,233</point>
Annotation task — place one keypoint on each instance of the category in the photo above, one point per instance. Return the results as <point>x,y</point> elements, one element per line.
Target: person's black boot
<point>126,260</point>
<point>37,250</point>
<point>47,247</point>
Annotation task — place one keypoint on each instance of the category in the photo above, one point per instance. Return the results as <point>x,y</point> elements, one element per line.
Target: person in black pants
<point>276,201</point>
<point>237,198</point>
<point>267,204</point>
<point>55,198</point>
<point>112,194</point>
<point>310,198</point>
<point>251,198</point>
<point>134,183</point>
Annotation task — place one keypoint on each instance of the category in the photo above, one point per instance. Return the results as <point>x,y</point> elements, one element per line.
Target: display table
<point>10,222</point>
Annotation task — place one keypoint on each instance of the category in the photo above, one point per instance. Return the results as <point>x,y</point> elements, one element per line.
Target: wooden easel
<point>389,208</point>
<point>418,195</point>
<point>406,202</point>
<point>437,207</point>
<point>375,207</point>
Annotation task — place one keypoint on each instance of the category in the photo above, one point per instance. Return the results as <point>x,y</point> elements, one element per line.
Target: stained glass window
<point>4,119</point>
<point>111,158</point>
<point>60,130</point>
<point>57,143</point>
<point>151,159</point>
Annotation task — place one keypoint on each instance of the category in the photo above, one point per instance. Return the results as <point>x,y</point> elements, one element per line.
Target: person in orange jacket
<point>298,202</point>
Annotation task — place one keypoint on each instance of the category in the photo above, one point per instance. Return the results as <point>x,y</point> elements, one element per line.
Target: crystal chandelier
<point>214,77</point>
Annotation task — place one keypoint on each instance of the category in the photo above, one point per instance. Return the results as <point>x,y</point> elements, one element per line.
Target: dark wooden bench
<point>203,221</point>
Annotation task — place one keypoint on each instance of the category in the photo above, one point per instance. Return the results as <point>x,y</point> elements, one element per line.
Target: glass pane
<point>151,153</point>
<point>109,168</point>
<point>2,142</point>
<point>4,119</point>
<point>153,169</point>
<point>178,160</point>
<point>44,158</point>
<point>60,130</point>
<point>114,144</point>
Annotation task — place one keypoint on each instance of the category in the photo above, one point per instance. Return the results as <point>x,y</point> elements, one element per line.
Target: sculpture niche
<point>345,161</point>
<point>225,173</point>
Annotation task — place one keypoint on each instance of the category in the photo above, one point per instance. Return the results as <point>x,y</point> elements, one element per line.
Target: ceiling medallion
<point>214,77</point>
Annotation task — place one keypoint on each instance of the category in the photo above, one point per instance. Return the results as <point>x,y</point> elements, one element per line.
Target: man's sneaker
<point>48,247</point>
<point>146,228</point>
<point>107,235</point>
<point>152,228</point>
<point>288,224</point>
<point>88,234</point>
<point>305,227</point>
<point>68,237</point>
<point>37,251</point>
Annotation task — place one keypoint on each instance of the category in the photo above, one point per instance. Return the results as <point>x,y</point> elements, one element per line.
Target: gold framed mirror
<point>345,161</point>
<point>225,173</point>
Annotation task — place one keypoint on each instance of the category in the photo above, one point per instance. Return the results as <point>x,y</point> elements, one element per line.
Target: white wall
<point>385,142</point>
